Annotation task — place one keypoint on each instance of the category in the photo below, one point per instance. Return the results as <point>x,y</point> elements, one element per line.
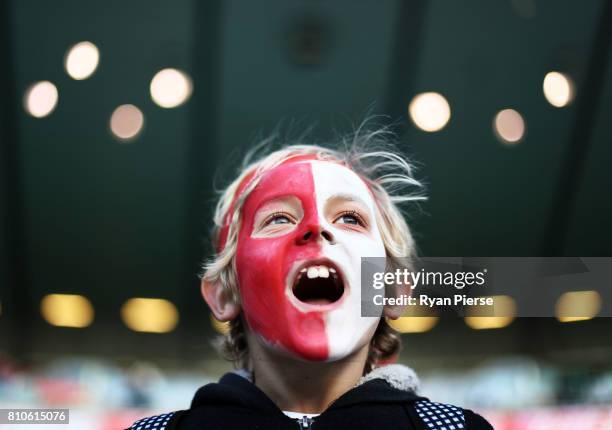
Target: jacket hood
<point>391,383</point>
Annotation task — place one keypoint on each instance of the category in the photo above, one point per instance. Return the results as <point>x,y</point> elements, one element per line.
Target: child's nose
<point>314,233</point>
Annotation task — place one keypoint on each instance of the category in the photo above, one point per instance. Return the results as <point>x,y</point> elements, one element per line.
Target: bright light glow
<point>170,88</point>
<point>499,316</point>
<point>219,326</point>
<point>558,89</point>
<point>429,111</point>
<point>126,122</point>
<point>486,323</point>
<point>67,310</point>
<point>40,99</point>
<point>82,60</point>
<point>509,126</point>
<point>416,319</point>
<point>413,324</point>
<point>150,315</point>
<point>578,306</point>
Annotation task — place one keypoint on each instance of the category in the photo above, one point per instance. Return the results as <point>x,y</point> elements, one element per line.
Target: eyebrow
<point>348,197</point>
<point>272,202</point>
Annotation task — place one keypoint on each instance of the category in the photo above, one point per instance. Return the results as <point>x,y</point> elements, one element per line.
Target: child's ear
<point>220,300</point>
<point>395,311</point>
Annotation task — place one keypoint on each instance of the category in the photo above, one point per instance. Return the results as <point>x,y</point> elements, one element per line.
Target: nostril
<point>327,236</point>
<point>314,234</point>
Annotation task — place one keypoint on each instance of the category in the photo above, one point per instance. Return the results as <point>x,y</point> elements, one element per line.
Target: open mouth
<point>318,284</point>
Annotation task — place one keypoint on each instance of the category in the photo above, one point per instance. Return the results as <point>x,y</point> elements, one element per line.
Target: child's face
<point>305,228</point>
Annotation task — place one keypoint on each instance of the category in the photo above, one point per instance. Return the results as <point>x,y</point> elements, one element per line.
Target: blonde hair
<point>390,179</point>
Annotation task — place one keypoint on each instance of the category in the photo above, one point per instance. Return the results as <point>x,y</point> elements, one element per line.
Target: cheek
<point>263,266</point>
<point>260,274</point>
<point>357,244</point>
<point>259,264</point>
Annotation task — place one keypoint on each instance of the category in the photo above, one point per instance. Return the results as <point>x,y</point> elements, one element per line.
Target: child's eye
<point>278,218</point>
<point>350,217</point>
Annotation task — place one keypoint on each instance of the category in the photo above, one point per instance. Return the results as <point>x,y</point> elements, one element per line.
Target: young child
<point>290,233</point>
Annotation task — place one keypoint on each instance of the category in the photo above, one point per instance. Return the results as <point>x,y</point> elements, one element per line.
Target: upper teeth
<point>318,271</point>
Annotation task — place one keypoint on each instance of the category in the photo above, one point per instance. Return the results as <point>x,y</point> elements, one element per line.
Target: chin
<point>313,350</point>
<point>309,346</point>
<point>314,355</point>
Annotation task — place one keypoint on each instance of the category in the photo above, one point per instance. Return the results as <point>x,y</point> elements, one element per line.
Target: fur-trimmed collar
<point>398,376</point>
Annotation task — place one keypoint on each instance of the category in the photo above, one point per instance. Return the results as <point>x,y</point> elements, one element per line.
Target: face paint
<point>304,229</point>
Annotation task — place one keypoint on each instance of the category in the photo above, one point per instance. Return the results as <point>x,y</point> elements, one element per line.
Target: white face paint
<point>338,188</point>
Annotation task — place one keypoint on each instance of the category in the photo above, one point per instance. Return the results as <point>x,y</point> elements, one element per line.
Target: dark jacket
<point>377,403</point>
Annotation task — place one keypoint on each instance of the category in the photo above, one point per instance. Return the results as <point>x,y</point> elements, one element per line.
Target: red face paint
<point>318,196</point>
<point>263,265</point>
<point>241,187</point>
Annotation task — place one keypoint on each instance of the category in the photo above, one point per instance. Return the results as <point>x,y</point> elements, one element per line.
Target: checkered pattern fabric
<point>157,422</point>
<point>438,416</point>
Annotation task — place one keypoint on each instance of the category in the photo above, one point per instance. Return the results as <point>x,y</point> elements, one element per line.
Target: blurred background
<point>117,119</point>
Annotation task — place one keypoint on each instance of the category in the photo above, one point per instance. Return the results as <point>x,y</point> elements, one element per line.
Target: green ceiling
<point>115,220</point>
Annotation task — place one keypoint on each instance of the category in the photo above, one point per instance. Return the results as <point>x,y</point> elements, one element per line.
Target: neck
<point>304,386</point>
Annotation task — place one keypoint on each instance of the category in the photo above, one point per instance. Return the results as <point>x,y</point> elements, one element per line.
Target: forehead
<point>312,179</point>
<point>333,179</point>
